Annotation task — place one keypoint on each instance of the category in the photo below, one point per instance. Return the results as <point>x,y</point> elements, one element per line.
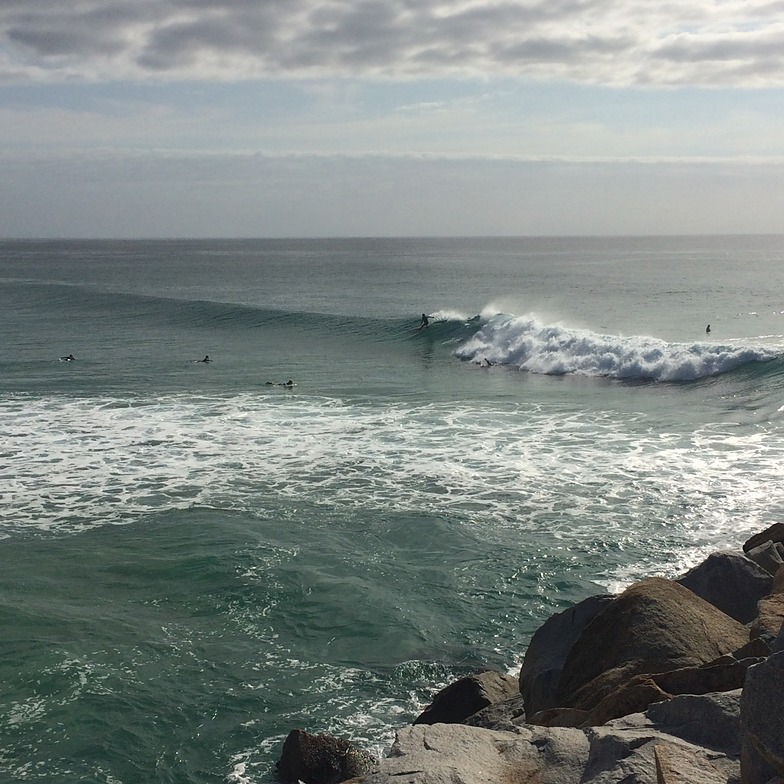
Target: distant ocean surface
<point>197,559</point>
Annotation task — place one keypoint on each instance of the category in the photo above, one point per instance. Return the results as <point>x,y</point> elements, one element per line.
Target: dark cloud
<point>599,41</point>
<point>185,44</point>
<point>726,50</point>
<point>60,33</point>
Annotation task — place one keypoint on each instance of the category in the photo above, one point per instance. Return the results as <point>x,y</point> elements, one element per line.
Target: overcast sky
<point>224,118</point>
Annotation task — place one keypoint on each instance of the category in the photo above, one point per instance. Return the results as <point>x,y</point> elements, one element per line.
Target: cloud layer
<point>140,195</point>
<point>611,42</point>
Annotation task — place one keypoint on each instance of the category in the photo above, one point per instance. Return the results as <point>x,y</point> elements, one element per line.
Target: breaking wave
<point>525,343</point>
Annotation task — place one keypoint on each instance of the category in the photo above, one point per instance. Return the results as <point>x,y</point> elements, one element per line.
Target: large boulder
<point>458,754</point>
<point>623,752</point>
<point>778,581</point>
<point>642,691</point>
<point>548,650</point>
<point>466,696</point>
<point>778,643</point>
<point>774,533</point>
<point>675,765</point>
<point>706,679</point>
<point>778,590</point>
<point>730,581</point>
<point>558,717</point>
<point>633,697</point>
<point>769,555</point>
<point>710,720</point>
<point>762,722</point>
<point>504,715</point>
<point>654,626</point>
<point>755,648</point>
<point>770,618</point>
<point>769,623</point>
<point>321,759</point>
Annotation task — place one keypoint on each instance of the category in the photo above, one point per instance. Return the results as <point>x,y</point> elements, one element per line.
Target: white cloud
<point>615,42</point>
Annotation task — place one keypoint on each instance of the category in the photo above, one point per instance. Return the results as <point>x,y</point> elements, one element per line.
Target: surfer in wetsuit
<point>707,329</point>
<point>425,321</point>
<point>69,358</point>
<point>206,359</point>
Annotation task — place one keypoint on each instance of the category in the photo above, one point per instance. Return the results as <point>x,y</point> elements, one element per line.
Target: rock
<point>702,680</point>
<point>753,649</point>
<point>458,754</point>
<point>778,590</point>
<point>674,765</point>
<point>321,759</point>
<point>711,720</point>
<point>548,650</point>
<point>504,715</point>
<point>730,581</point>
<point>762,722</point>
<point>769,555</point>
<point>778,581</point>
<point>623,755</point>
<point>643,691</point>
<point>633,697</point>
<point>774,533</point>
<point>559,717</point>
<point>770,619</point>
<point>778,643</point>
<point>466,696</point>
<point>654,626</point>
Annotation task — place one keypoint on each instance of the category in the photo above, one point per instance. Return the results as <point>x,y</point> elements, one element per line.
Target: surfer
<point>69,358</point>
<point>425,321</point>
<point>206,359</point>
<point>707,329</point>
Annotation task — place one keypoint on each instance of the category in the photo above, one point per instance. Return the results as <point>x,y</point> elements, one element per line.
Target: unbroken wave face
<point>552,349</point>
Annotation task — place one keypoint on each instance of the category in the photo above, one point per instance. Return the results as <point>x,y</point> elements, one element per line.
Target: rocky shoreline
<point>669,682</point>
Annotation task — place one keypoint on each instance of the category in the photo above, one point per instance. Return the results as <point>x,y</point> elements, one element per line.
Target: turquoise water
<point>195,560</point>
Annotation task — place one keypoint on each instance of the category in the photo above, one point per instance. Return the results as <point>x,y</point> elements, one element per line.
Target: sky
<point>316,118</point>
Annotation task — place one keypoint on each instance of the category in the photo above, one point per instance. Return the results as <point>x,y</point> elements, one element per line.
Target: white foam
<point>538,471</point>
<point>239,775</point>
<point>554,349</point>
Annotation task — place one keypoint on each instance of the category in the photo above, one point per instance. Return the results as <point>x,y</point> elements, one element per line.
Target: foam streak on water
<point>71,464</point>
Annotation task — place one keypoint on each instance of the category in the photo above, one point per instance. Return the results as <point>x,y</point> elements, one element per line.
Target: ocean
<point>198,557</point>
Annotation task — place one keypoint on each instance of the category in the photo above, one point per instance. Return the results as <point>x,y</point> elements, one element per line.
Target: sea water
<point>198,557</point>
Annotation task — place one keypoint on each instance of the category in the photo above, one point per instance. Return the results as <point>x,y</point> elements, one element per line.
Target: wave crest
<point>553,349</point>
<point>449,315</point>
